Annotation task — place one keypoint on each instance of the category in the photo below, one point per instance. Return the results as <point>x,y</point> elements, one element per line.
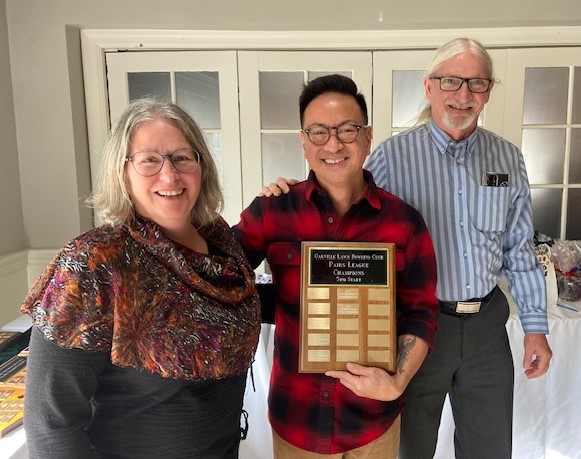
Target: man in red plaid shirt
<point>354,413</point>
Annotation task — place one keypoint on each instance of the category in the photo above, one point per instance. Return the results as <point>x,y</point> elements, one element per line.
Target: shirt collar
<point>370,194</point>
<point>443,141</point>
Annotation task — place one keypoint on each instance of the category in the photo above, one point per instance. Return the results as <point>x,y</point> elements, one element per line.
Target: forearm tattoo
<point>406,343</point>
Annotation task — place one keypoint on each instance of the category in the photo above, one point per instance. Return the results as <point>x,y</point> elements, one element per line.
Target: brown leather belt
<point>466,307</point>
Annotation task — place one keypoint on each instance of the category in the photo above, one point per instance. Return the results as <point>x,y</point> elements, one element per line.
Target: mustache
<point>460,106</point>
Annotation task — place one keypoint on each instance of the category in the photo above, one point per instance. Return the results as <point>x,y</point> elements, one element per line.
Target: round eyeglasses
<point>320,134</point>
<point>452,84</point>
<point>150,162</point>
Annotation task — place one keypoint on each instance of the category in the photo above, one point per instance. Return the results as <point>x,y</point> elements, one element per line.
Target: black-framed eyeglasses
<point>451,84</point>
<point>150,162</point>
<point>346,133</point>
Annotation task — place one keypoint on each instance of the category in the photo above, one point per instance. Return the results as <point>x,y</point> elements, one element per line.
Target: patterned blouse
<point>152,303</point>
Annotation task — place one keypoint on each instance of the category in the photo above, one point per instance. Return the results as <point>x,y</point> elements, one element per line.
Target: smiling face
<point>168,197</point>
<point>457,112</point>
<point>335,163</point>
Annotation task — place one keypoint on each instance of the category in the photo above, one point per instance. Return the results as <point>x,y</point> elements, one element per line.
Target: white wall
<point>13,284</point>
<point>12,224</point>
<point>13,259</point>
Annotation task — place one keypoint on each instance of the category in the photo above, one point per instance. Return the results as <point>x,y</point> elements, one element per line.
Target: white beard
<point>458,122</point>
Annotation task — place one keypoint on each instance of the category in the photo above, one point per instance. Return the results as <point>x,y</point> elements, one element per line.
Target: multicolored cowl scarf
<point>153,304</point>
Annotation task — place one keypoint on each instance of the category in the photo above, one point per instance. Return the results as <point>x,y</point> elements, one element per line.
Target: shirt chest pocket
<point>492,208</point>
<point>284,254</point>
<point>284,259</point>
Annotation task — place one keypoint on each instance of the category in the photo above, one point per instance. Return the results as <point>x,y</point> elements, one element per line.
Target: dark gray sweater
<point>79,405</point>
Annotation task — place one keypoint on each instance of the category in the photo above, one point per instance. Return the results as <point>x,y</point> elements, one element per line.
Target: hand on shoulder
<point>280,185</point>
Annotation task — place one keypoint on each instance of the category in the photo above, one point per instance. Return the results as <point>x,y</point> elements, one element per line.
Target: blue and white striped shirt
<point>479,232</point>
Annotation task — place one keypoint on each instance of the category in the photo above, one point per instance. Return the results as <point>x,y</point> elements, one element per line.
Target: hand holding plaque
<point>347,306</point>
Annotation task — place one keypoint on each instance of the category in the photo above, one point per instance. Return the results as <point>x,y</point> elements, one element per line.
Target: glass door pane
<point>547,210</point>
<point>545,98</point>
<point>408,97</point>
<point>149,84</point>
<point>573,215</point>
<point>544,153</point>
<point>199,94</point>
<point>279,95</point>
<point>282,156</point>
<point>576,117</point>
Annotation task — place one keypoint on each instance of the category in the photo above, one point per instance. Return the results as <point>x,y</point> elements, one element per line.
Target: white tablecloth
<point>547,410</point>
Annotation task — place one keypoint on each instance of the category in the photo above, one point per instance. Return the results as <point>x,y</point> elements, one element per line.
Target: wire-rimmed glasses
<point>452,84</point>
<point>150,162</point>
<point>320,134</point>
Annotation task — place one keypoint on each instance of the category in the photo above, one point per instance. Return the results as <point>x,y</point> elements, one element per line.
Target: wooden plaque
<point>11,409</point>
<point>12,380</point>
<point>347,306</point>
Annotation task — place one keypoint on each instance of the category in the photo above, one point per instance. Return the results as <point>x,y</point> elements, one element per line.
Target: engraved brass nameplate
<point>347,306</point>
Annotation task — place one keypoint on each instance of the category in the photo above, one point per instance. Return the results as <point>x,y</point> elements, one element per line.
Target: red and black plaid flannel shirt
<point>312,411</point>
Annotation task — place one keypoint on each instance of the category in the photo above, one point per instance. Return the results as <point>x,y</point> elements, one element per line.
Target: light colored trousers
<point>385,447</point>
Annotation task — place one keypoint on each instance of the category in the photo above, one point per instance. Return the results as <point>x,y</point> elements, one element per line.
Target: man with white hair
<point>471,187</point>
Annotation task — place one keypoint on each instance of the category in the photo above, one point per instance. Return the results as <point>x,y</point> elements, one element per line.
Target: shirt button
<point>289,255</point>
<point>330,219</point>
<point>458,161</point>
<point>465,255</point>
<point>326,394</point>
<point>460,191</point>
<point>468,286</point>
<point>461,223</point>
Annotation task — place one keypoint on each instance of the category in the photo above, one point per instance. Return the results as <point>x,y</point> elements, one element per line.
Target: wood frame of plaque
<point>347,306</point>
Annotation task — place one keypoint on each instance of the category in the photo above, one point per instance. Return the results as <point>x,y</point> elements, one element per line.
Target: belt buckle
<point>467,307</point>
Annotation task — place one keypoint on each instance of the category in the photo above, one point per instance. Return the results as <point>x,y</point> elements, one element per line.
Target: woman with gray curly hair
<point>144,327</point>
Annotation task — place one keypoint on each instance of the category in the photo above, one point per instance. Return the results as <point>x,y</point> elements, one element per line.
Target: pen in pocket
<point>570,308</point>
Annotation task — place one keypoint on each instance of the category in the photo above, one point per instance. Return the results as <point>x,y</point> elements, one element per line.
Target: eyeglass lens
<point>149,163</point>
<point>346,133</point>
<point>477,85</point>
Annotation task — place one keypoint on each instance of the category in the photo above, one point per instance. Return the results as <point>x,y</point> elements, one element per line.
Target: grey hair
<point>447,51</point>
<point>110,197</point>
